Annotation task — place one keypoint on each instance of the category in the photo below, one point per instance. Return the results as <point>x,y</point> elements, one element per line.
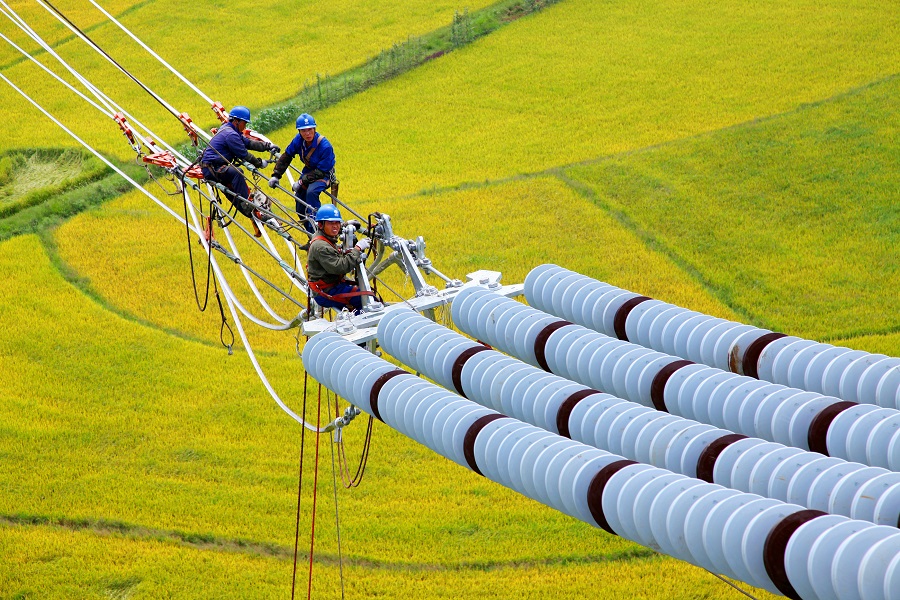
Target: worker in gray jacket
<point>328,264</point>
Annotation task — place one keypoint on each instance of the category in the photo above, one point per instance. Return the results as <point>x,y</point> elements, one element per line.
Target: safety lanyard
<point>305,158</point>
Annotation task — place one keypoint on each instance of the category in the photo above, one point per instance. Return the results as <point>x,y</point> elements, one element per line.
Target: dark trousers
<point>233,179</point>
<point>309,193</point>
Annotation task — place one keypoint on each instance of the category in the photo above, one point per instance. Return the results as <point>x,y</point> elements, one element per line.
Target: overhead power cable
<point>152,53</point>
<point>232,301</point>
<point>150,143</point>
<point>182,118</point>
<point>111,106</point>
<point>77,31</point>
<point>230,298</point>
<point>93,151</point>
<point>54,75</point>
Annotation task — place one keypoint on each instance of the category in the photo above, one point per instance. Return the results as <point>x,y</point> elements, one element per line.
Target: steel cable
<point>197,231</point>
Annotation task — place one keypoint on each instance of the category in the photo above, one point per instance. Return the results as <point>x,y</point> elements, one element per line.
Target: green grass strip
<point>216,543</point>
<point>56,208</point>
<point>400,58</point>
<point>92,170</point>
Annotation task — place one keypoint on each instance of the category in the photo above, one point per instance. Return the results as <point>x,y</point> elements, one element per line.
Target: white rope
<point>250,282</point>
<point>152,53</point>
<point>112,106</point>
<point>72,88</point>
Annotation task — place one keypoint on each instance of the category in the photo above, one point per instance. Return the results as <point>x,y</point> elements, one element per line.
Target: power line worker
<point>228,145</point>
<point>328,264</point>
<point>317,155</point>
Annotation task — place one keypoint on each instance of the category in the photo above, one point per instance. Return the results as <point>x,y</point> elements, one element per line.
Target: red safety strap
<point>320,289</point>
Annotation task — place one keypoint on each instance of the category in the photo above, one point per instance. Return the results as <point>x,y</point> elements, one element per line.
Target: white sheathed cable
<point>250,283</point>
<point>152,53</point>
<point>111,105</point>
<point>97,154</point>
<point>232,302</point>
<point>72,88</point>
<point>197,231</point>
<point>74,30</point>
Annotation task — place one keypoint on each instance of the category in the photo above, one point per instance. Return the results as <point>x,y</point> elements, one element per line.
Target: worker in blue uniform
<point>317,155</point>
<point>227,146</point>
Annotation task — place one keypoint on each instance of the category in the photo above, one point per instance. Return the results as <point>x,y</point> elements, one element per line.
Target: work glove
<point>363,244</point>
<point>274,148</point>
<point>256,162</point>
<point>263,163</point>
<point>273,182</point>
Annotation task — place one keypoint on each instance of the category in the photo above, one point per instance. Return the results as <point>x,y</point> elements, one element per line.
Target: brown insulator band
<point>472,434</point>
<point>565,410</point>
<point>751,357</point>
<point>540,342</point>
<point>622,316</point>
<point>595,491</point>
<point>776,546</point>
<point>456,372</point>
<point>817,438</point>
<point>376,389</point>
<point>658,385</point>
<point>706,463</point>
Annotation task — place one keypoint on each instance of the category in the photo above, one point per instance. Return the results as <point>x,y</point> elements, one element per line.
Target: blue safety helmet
<point>240,112</point>
<point>306,121</point>
<point>328,212</point>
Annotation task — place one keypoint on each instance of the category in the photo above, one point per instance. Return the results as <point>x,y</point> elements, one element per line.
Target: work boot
<point>256,231</point>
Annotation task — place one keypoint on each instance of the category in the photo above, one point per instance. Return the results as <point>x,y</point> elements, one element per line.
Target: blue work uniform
<point>317,174</point>
<point>225,147</point>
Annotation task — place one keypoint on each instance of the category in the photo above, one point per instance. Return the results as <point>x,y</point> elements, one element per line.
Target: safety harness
<point>320,287</point>
<point>305,158</point>
<point>329,177</point>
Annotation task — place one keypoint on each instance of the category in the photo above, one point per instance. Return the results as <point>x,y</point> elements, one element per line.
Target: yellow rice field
<point>56,563</point>
<point>584,79</point>
<point>610,138</point>
<point>242,52</point>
